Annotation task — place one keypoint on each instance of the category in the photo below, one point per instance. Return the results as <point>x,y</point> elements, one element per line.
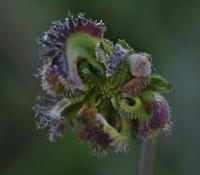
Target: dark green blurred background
<point>169,30</point>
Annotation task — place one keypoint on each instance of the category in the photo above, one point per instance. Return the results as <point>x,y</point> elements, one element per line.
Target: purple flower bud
<point>158,121</point>
<point>119,54</point>
<point>48,118</point>
<point>160,112</point>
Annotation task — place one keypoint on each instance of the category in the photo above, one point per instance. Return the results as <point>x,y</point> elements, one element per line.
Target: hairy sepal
<point>159,84</point>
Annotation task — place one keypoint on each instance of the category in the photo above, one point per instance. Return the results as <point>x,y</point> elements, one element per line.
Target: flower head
<point>105,90</point>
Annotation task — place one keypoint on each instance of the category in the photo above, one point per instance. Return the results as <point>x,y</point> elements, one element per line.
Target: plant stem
<point>146,157</point>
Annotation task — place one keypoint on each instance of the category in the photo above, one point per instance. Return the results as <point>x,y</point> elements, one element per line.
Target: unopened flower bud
<point>135,85</point>
<point>158,119</point>
<point>140,65</point>
<point>119,54</point>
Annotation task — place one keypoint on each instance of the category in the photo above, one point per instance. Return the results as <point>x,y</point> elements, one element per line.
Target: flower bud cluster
<point>106,91</point>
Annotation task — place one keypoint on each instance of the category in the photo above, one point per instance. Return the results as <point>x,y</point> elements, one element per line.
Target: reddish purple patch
<point>158,119</point>
<point>135,85</point>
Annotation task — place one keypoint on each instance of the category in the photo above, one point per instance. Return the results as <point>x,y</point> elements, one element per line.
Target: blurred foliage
<point>169,30</point>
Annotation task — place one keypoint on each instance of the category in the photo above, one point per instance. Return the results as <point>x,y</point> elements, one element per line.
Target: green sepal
<point>116,101</point>
<point>120,76</point>
<point>108,46</point>
<point>147,96</point>
<point>120,139</point>
<point>125,45</point>
<point>66,105</point>
<point>136,111</point>
<point>159,84</point>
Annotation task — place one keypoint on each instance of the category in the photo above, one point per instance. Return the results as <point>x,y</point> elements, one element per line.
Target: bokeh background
<point>168,29</point>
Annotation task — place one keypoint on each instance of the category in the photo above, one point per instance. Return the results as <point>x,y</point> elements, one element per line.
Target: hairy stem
<point>146,157</point>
